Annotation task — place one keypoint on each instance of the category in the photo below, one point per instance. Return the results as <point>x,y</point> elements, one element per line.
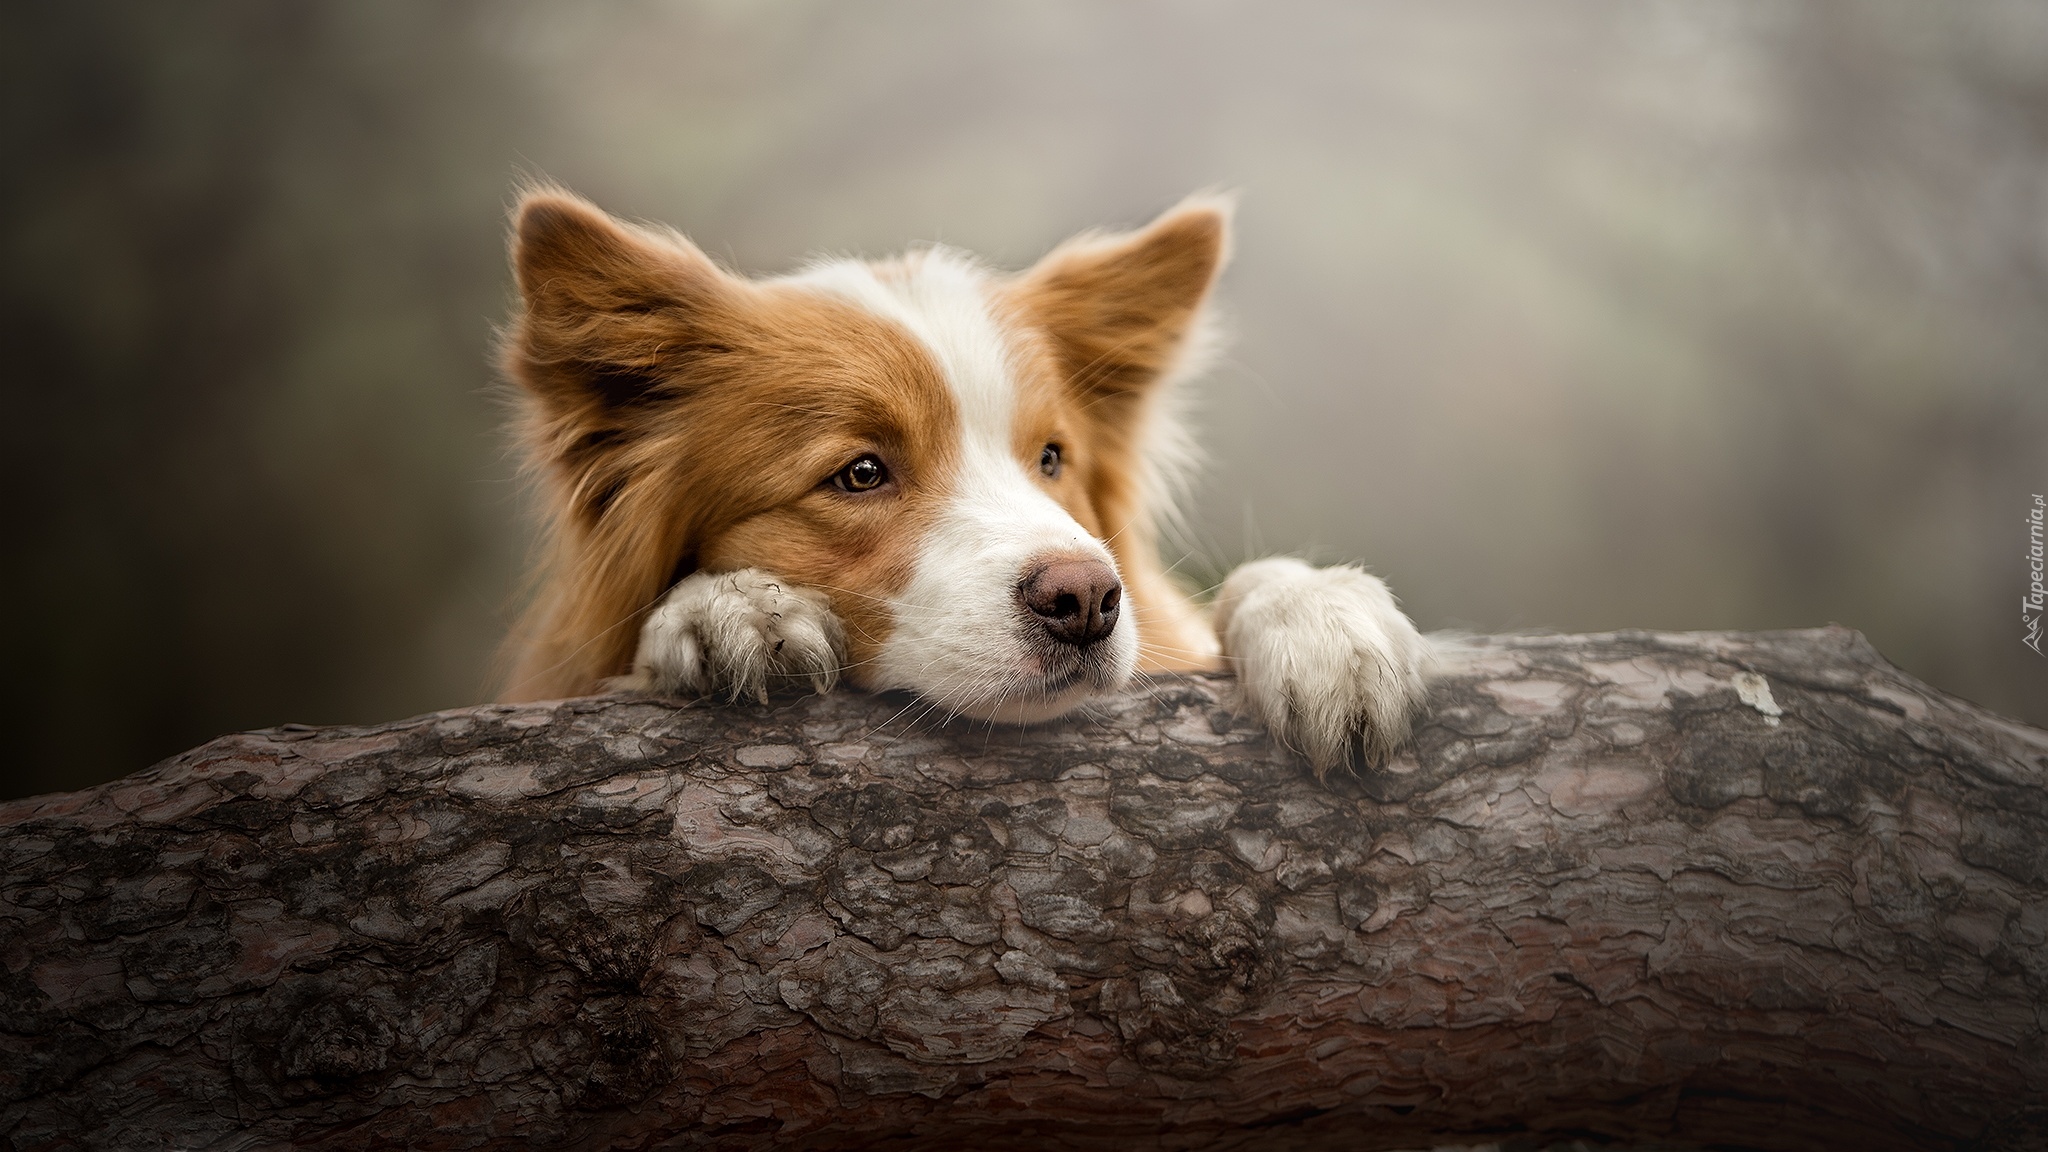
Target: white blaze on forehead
<point>939,297</point>
<point>961,636</point>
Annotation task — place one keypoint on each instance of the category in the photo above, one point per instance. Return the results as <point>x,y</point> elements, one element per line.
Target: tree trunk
<point>1761,890</point>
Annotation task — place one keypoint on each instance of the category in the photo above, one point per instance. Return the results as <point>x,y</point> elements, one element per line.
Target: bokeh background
<point>1577,315</point>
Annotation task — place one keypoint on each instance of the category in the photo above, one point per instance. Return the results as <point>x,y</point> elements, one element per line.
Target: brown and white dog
<point>918,473</point>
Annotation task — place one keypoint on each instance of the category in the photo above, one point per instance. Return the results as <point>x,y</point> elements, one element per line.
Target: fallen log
<point>1761,890</point>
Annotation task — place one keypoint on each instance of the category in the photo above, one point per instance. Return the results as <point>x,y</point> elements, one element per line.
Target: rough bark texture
<point>1760,890</point>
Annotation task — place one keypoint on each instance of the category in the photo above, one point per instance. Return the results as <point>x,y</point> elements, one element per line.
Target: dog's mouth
<point>1059,682</point>
<point>1051,684</point>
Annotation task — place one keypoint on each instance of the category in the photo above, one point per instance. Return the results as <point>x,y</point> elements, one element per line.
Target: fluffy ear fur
<point>613,314</point>
<point>617,323</point>
<point>1120,309</point>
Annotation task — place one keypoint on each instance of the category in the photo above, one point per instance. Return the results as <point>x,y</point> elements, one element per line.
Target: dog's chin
<point>1034,696</point>
<point>1027,706</point>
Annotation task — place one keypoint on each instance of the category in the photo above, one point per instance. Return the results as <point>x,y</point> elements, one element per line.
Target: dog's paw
<point>1323,656</point>
<point>735,632</point>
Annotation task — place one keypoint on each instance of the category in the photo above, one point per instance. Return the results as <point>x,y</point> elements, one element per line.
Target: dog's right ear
<point>614,314</point>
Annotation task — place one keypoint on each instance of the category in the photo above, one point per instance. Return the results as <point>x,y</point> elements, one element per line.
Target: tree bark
<point>1751,889</point>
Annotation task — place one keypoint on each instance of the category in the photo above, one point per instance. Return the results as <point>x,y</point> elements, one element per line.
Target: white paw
<point>1323,656</point>
<point>734,632</point>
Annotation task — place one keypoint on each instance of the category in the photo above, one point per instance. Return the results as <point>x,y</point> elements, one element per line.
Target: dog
<point>916,473</point>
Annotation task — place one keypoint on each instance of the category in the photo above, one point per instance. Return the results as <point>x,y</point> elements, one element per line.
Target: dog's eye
<point>1049,460</point>
<point>861,475</point>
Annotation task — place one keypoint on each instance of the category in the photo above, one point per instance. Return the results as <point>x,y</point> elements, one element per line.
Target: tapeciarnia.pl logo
<point>2031,604</point>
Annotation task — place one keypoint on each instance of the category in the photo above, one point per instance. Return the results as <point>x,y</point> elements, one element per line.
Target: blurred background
<point>1568,315</point>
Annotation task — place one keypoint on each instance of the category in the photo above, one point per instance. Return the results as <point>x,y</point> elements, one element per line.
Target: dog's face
<point>958,460</point>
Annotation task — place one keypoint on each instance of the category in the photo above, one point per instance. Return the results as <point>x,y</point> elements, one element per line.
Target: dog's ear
<point>614,314</point>
<point>1121,309</point>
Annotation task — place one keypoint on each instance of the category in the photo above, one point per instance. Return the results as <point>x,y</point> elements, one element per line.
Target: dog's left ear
<point>1120,309</point>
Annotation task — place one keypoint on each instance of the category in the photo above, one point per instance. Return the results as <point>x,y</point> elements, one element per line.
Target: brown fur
<point>680,417</point>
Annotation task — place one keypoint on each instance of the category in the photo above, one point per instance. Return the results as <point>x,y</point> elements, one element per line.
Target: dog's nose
<point>1076,599</point>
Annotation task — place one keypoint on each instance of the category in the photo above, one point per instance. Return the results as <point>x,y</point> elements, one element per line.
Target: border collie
<point>917,473</point>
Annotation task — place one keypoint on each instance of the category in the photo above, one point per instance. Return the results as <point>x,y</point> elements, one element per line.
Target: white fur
<point>1323,656</point>
<point>961,637</point>
<point>731,632</point>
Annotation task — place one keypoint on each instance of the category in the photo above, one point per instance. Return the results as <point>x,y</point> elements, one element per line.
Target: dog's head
<point>967,463</point>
